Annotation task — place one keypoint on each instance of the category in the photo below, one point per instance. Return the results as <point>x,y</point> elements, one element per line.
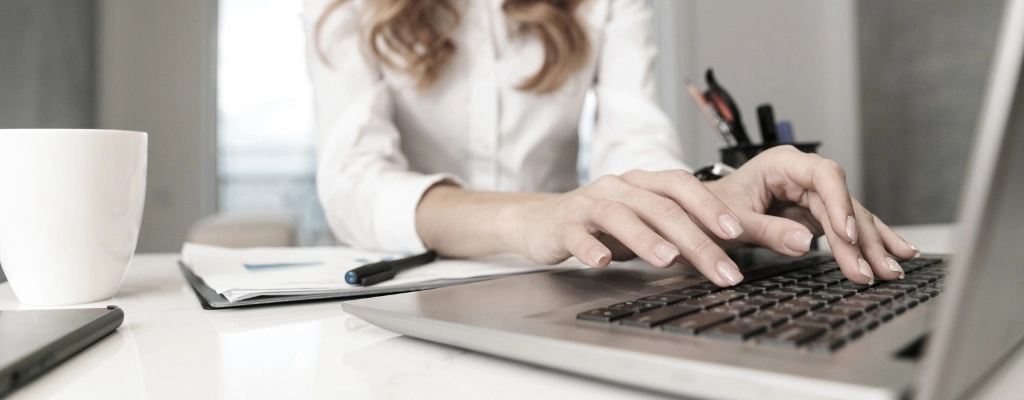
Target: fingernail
<point>895,266</point>
<point>596,256</point>
<point>851,229</point>
<point>798,240</point>
<point>865,270</point>
<point>917,253</point>
<point>730,225</point>
<point>666,252</point>
<point>728,271</point>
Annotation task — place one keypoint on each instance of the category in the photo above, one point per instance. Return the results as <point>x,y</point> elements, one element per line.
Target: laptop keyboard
<point>812,307</point>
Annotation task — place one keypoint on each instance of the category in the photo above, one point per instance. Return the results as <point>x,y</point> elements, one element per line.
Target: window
<point>266,144</point>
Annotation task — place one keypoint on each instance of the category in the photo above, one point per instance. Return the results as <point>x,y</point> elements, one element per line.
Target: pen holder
<point>740,154</point>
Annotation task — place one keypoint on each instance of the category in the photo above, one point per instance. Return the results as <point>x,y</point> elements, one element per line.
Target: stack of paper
<point>239,274</point>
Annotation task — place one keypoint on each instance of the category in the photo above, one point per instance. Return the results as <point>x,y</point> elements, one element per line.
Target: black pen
<point>766,118</point>
<point>372,274</point>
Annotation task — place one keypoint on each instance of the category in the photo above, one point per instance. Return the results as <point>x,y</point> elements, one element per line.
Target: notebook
<point>226,278</point>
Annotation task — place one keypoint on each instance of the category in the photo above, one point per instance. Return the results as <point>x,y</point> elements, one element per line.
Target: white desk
<point>170,348</point>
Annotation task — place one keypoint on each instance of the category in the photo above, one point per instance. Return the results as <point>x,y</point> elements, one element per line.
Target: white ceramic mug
<point>70,211</point>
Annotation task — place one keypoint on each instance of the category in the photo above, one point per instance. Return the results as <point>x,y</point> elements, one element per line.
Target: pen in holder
<point>735,156</point>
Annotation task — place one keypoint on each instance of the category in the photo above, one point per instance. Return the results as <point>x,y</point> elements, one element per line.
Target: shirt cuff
<point>395,212</point>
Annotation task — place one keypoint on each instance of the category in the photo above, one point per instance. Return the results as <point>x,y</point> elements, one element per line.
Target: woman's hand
<point>780,199</point>
<point>657,216</point>
<point>784,197</point>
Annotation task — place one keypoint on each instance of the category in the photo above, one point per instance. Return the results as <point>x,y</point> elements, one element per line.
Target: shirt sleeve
<point>632,131</point>
<point>367,191</point>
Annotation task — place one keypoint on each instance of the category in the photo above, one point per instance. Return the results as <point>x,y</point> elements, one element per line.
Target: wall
<point>799,55</point>
<point>923,70</point>
<point>156,74</point>
<point>47,64</point>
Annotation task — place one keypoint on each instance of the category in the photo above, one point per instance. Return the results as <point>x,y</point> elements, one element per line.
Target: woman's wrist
<point>459,223</point>
<point>513,221</point>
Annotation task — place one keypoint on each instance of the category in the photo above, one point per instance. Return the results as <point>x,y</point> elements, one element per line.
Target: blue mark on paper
<point>260,267</point>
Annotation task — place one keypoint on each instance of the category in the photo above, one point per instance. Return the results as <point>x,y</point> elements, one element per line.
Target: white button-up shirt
<point>382,142</point>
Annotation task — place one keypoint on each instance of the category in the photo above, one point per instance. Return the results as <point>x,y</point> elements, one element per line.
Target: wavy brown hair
<point>414,36</point>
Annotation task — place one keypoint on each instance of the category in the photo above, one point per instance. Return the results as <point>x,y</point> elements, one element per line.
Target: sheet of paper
<point>244,273</point>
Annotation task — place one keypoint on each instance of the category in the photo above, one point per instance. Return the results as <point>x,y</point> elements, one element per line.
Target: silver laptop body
<point>965,332</point>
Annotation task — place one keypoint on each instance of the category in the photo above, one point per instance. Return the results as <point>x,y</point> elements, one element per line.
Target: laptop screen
<point>981,320</point>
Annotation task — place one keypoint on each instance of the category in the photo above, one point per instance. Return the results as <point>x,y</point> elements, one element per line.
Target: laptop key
<point>633,306</point>
<point>603,315</point>
<point>776,296</point>
<point>765,284</point>
<point>802,275</point>
<point>790,336</point>
<point>852,286</point>
<point>813,301</point>
<point>754,302</point>
<point>703,302</point>
<point>733,308</point>
<point>811,285</point>
<point>769,320</point>
<point>782,280</point>
<point>661,299</point>
<point>651,318</point>
<point>828,280</point>
<point>826,298</point>
<point>693,324</point>
<point>890,293</point>
<point>808,305</point>
<point>728,296</point>
<point>860,305</point>
<point>686,293</point>
<point>880,300</point>
<point>911,280</point>
<point>747,290</point>
<point>927,277</point>
<point>708,286</point>
<point>827,267</point>
<point>734,331</point>
<point>821,321</point>
<point>795,290</point>
<point>901,287</point>
<point>847,313</point>
<point>838,292</point>
<point>785,311</point>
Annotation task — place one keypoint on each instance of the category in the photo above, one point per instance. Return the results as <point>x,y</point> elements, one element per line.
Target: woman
<point>451,125</point>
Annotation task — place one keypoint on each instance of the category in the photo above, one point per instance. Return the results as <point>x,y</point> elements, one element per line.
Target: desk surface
<point>170,348</point>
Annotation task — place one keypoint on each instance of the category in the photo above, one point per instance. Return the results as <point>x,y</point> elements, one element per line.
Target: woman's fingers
<point>691,194</point>
<point>896,245</point>
<point>823,176</point>
<point>847,255</point>
<point>872,249</point>
<point>576,239</point>
<point>778,234</point>
<point>620,221</point>
<point>673,223</point>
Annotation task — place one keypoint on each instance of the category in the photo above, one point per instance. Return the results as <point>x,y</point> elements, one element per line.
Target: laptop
<point>795,328</point>
<point>34,341</point>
